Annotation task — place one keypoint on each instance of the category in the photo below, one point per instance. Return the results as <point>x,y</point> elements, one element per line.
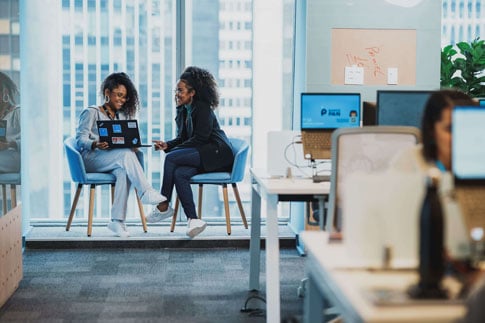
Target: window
<point>140,41</point>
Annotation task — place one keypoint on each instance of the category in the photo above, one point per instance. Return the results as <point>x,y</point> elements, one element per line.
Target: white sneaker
<point>195,226</point>
<point>152,197</point>
<point>156,215</point>
<point>119,229</point>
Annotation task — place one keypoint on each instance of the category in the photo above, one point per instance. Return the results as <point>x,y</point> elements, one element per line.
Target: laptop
<point>3,130</point>
<point>120,133</point>
<point>321,114</point>
<point>468,166</point>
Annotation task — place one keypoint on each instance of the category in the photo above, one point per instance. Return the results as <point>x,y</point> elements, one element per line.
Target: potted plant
<point>464,67</point>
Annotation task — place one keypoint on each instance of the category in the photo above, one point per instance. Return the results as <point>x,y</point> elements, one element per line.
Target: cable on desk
<point>292,144</point>
<point>253,311</point>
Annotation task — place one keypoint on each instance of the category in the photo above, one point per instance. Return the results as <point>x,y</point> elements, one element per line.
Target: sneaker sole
<point>126,235</point>
<point>196,231</point>
<point>158,218</point>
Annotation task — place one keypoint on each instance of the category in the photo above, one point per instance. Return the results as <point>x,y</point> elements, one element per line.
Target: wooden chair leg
<point>113,193</point>
<point>142,213</point>
<point>73,207</point>
<point>4,198</point>
<point>91,208</point>
<point>226,208</point>
<point>199,201</point>
<point>13,195</point>
<point>175,211</point>
<point>239,204</point>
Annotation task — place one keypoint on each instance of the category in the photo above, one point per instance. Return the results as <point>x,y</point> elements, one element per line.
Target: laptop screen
<point>401,108</point>
<point>468,150</point>
<point>329,110</point>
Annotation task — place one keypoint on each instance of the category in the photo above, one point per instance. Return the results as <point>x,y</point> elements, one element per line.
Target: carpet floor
<point>147,285</point>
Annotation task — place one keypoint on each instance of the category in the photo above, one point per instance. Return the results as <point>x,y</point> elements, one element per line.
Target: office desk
<point>330,280</point>
<point>273,191</point>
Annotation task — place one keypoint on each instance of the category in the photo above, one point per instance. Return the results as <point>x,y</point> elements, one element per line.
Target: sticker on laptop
<point>103,132</point>
<point>118,140</point>
<point>131,124</point>
<point>116,128</point>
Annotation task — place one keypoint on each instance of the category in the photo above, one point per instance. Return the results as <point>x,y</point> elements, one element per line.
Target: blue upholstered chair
<point>81,177</point>
<point>240,149</point>
<point>12,179</point>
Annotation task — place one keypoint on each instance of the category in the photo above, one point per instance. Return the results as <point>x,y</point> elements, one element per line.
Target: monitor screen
<point>468,150</point>
<point>481,102</point>
<point>330,110</point>
<point>401,108</point>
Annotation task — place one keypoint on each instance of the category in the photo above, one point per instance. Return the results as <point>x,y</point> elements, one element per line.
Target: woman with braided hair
<point>200,145</point>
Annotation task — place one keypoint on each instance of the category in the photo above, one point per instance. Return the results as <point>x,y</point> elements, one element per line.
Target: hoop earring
<point>5,97</point>
<point>106,99</point>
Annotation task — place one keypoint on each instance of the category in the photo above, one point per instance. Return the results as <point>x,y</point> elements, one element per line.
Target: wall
<point>323,16</point>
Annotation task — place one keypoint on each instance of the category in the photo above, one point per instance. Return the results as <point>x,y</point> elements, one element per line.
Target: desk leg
<point>272,261</point>
<point>323,212</point>
<point>255,242</point>
<point>314,302</point>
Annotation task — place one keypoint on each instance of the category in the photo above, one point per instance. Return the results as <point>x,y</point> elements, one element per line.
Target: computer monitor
<point>401,108</point>
<point>321,114</point>
<point>329,110</point>
<point>481,102</point>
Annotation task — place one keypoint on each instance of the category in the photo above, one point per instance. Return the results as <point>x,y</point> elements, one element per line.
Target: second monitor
<point>401,108</point>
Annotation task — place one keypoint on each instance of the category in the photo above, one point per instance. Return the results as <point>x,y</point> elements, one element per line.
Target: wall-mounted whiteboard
<point>375,50</point>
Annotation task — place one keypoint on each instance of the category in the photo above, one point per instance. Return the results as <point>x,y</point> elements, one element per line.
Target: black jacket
<point>207,136</point>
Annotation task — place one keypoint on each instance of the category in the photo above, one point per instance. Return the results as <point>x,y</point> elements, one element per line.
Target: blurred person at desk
<point>9,126</point>
<point>435,154</point>
<point>435,150</point>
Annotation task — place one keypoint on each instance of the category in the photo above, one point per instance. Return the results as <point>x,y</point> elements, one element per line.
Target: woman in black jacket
<point>200,146</point>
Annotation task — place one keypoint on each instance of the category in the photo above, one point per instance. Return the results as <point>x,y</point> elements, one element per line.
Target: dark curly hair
<point>437,102</point>
<point>204,84</point>
<point>8,89</point>
<point>116,79</point>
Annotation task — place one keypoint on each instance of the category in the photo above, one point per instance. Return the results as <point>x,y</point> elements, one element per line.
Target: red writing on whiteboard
<point>369,60</point>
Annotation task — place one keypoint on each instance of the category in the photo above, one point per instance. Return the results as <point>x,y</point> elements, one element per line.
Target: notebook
<point>468,165</point>
<point>321,114</point>
<point>3,130</point>
<point>120,133</point>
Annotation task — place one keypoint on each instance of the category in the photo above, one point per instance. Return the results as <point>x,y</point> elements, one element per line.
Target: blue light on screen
<point>330,110</point>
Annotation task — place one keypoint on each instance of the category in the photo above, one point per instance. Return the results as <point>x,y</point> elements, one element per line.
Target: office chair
<point>240,149</point>
<point>367,149</point>
<point>81,177</point>
<point>12,179</point>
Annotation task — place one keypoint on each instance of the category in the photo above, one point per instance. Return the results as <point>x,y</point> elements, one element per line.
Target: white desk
<point>330,280</point>
<point>274,190</point>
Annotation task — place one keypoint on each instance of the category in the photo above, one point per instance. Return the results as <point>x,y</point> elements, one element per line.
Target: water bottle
<point>431,241</point>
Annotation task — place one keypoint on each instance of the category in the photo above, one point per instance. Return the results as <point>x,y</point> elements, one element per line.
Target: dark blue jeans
<point>180,166</point>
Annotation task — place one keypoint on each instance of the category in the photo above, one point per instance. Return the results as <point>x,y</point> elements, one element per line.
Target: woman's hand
<point>7,144</point>
<point>100,145</point>
<point>160,145</point>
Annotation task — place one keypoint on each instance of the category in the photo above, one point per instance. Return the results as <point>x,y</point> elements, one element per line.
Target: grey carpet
<point>146,285</point>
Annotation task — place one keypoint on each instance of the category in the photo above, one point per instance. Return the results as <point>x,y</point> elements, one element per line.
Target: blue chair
<point>12,179</point>
<point>81,177</point>
<point>240,149</point>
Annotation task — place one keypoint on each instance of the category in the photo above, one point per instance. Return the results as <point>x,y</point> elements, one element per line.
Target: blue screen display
<point>330,110</point>
<point>482,102</point>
